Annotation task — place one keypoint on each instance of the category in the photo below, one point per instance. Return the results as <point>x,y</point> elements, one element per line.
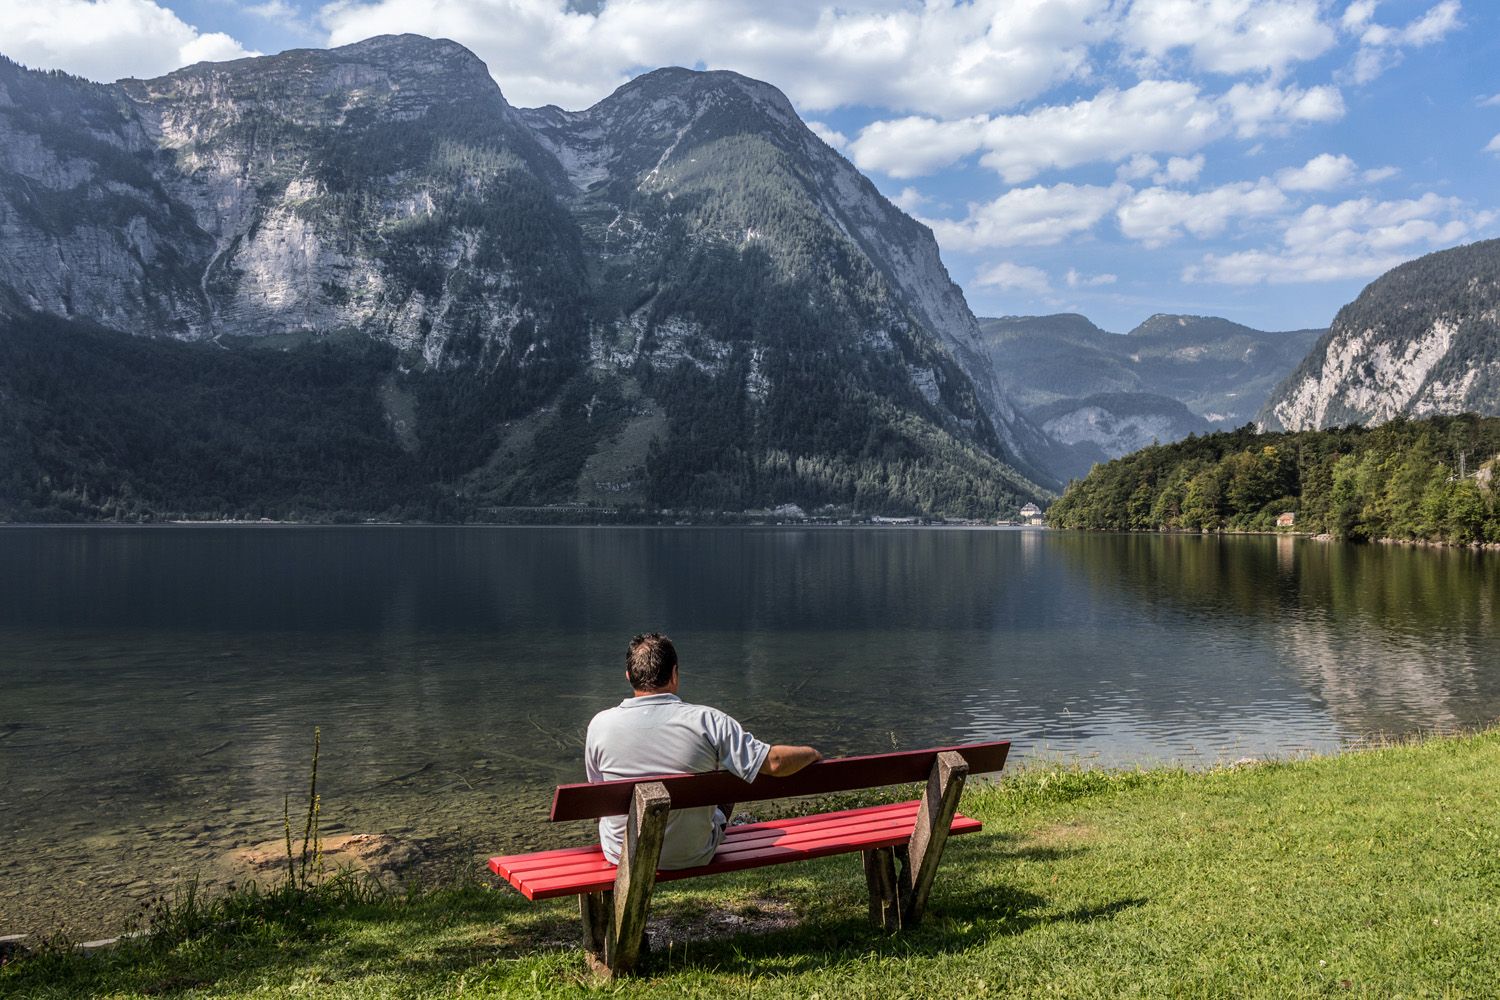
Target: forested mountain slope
<point>1423,338</point>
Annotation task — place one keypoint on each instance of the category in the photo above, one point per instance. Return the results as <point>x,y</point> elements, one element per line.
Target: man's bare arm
<point>783,760</point>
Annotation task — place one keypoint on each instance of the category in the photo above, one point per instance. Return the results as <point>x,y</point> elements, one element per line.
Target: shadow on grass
<point>958,923</point>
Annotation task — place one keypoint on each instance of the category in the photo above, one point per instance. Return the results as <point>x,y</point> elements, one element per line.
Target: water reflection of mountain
<point>1388,638</point>
<point>323,580</point>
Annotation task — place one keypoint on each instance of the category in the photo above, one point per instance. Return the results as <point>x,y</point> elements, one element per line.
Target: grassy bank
<point>1374,873</point>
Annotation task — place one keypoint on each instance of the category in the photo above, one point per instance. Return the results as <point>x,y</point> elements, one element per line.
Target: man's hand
<point>782,761</point>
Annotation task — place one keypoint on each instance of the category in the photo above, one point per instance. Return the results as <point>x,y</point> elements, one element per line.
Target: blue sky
<point>1255,159</point>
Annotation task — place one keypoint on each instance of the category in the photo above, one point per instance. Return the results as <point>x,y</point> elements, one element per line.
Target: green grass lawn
<point>1374,873</point>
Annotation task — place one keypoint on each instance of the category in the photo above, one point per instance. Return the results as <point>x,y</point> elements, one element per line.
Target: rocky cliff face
<point>310,191</point>
<point>375,187</point>
<point>682,281</point>
<point>86,224</point>
<point>1422,339</point>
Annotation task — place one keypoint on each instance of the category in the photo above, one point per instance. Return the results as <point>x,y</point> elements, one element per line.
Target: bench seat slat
<point>539,860</point>
<point>731,857</point>
<point>604,878</point>
<point>570,871</point>
<point>802,831</point>
<point>525,863</point>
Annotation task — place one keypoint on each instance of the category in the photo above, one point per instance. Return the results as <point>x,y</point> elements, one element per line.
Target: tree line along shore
<point>1374,872</point>
<point>1429,480</point>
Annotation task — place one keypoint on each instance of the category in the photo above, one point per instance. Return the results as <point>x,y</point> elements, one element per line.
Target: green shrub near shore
<point>1372,873</point>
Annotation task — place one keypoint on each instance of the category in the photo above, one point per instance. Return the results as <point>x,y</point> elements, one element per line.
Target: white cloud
<point>1157,216</point>
<point>1180,170</point>
<point>912,147</point>
<point>1359,238</point>
<point>1154,116</point>
<point>1134,126</point>
<point>1076,280</point>
<point>1265,107</point>
<point>1380,47</point>
<point>1334,227</point>
<point>1230,36</point>
<point>1371,61</point>
<point>1493,101</point>
<point>937,58</point>
<point>1138,168</point>
<point>1377,174</point>
<point>1253,267</point>
<point>1015,278</point>
<point>832,136</point>
<point>1358,14</point>
<point>274,10</point>
<point>910,200</point>
<point>1034,216</point>
<point>1432,26</point>
<point>1494,145</point>
<point>107,39</point>
<point>1323,172</point>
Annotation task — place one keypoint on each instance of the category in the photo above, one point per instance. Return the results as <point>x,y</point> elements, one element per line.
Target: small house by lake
<point>1031,514</point>
<point>1286,519</point>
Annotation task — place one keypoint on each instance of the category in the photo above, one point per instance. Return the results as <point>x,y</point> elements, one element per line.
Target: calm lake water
<point>159,686</point>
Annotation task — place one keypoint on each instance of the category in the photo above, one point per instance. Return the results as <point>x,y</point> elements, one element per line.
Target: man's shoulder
<point>706,717</point>
<point>710,718</point>
<point>604,715</point>
<point>693,708</point>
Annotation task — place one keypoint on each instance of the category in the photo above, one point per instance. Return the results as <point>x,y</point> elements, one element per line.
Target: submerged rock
<point>378,853</point>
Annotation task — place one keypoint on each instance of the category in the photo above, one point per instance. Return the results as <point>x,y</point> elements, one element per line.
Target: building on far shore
<point>1286,519</point>
<point>1032,514</point>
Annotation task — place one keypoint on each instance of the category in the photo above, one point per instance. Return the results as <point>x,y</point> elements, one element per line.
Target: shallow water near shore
<point>161,685</point>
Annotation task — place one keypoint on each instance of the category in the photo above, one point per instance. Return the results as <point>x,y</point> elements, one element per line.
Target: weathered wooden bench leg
<point>636,876</point>
<point>597,910</point>
<point>934,819</point>
<point>885,898</point>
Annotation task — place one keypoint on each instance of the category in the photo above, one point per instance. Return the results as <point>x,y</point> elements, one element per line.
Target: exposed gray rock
<point>1420,340</point>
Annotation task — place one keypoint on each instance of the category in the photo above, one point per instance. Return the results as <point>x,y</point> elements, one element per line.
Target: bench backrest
<point>588,800</point>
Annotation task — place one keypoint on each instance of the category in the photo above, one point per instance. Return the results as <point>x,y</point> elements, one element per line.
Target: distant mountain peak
<point>429,67</point>
<point>1171,324</point>
<point>1087,386</point>
<point>405,45</point>
<point>678,78</point>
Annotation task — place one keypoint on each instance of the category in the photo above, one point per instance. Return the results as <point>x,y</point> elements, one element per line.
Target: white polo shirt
<point>661,734</point>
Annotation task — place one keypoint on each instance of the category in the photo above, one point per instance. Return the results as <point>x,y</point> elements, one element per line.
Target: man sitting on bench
<point>655,732</point>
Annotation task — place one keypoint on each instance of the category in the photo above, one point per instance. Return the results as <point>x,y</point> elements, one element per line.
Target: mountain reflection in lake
<point>161,685</point>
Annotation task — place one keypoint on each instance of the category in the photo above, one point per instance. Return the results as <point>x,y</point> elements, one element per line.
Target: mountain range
<point>358,282</point>
<point>677,298</point>
<point>1100,395</point>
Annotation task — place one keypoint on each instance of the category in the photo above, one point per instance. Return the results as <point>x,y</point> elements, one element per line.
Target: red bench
<point>614,900</point>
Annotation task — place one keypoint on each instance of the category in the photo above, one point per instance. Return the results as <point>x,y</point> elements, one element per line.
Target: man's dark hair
<point>650,662</point>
